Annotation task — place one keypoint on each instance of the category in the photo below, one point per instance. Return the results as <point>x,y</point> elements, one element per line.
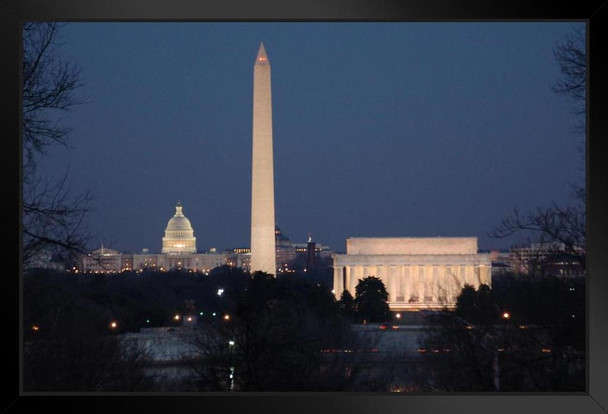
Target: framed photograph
<point>419,179</point>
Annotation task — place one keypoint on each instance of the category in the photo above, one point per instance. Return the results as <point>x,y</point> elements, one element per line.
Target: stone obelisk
<point>263,256</point>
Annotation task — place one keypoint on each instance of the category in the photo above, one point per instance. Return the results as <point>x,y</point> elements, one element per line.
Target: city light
<point>231,343</point>
<point>113,325</point>
<point>231,378</point>
<point>398,316</point>
<point>35,328</point>
<point>226,317</point>
<point>176,317</point>
<point>220,291</point>
<point>506,315</point>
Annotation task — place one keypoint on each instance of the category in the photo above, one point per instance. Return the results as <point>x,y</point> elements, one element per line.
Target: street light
<point>176,317</point>
<point>504,345</point>
<point>231,376</point>
<point>113,325</point>
<point>226,317</point>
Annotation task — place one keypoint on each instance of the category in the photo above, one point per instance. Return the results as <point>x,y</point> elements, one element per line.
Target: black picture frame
<point>594,13</point>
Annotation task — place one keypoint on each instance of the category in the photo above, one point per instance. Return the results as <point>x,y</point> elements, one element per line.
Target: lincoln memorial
<point>418,272</point>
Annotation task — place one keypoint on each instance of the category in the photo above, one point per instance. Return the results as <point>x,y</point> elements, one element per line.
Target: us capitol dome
<point>179,235</point>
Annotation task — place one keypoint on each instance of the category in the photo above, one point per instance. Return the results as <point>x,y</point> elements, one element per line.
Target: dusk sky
<point>380,129</point>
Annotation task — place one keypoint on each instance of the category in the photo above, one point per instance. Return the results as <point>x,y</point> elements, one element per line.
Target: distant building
<point>103,260</point>
<point>419,273</point>
<point>286,252</point>
<point>285,249</point>
<point>179,252</point>
<point>179,235</point>
<point>311,255</point>
<point>239,257</point>
<point>321,250</point>
<point>45,259</point>
<point>500,262</point>
<point>546,258</point>
<point>564,265</point>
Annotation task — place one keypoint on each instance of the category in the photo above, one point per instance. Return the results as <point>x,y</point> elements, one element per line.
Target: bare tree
<point>52,218</point>
<point>552,224</point>
<point>572,59</point>
<point>555,223</point>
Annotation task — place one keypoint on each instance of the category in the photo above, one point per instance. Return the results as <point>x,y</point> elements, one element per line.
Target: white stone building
<point>419,273</point>
<point>103,260</point>
<point>179,235</point>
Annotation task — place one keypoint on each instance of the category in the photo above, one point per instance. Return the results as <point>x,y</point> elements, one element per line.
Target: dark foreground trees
<point>68,343</point>
<point>279,338</point>
<point>277,334</point>
<point>371,300</point>
<point>526,335</point>
<point>84,362</point>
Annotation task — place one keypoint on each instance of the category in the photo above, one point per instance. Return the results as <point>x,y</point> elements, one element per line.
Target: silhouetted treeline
<point>274,341</point>
<point>280,327</point>
<point>70,344</point>
<point>524,334</point>
<point>56,300</point>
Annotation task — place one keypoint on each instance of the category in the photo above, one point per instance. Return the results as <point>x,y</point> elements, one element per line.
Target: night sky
<point>380,129</point>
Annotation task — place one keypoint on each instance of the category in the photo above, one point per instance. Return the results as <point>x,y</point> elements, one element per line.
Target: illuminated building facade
<point>419,273</point>
<point>104,260</point>
<point>547,258</point>
<point>285,250</point>
<point>321,250</point>
<point>178,252</point>
<point>179,235</point>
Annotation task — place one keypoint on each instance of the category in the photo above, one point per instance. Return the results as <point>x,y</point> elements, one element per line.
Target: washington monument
<point>263,256</point>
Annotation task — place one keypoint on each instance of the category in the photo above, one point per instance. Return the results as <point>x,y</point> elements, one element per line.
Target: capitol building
<point>179,235</point>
